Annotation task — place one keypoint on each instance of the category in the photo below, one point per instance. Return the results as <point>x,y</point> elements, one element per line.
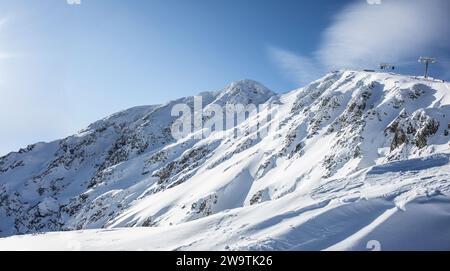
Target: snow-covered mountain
<point>358,156</point>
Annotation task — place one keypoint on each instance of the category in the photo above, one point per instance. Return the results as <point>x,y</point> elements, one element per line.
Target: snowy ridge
<point>356,156</point>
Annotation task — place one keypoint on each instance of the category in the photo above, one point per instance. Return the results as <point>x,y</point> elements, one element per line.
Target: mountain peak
<point>248,85</point>
<point>244,91</point>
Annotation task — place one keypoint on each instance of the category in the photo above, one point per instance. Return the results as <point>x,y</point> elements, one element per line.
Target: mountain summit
<point>356,156</point>
<point>244,91</point>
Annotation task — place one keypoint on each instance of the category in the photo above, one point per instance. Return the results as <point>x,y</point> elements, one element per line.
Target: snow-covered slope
<point>356,156</point>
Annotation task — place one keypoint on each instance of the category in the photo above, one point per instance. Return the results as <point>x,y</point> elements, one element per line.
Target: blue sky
<point>64,66</point>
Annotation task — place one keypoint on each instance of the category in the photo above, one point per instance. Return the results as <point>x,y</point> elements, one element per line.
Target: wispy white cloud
<point>3,23</point>
<point>395,30</point>
<point>363,35</point>
<point>5,56</point>
<point>295,67</point>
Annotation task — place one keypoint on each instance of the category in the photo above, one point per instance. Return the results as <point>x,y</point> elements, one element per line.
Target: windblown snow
<point>360,161</point>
